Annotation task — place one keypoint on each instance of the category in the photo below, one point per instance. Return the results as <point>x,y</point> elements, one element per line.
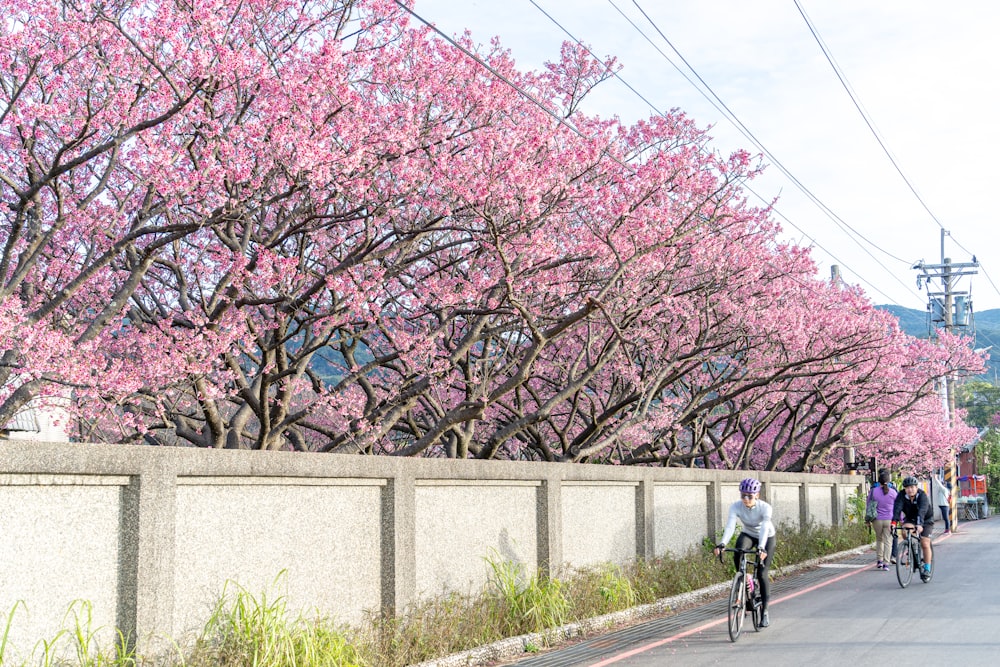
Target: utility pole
<point>950,309</point>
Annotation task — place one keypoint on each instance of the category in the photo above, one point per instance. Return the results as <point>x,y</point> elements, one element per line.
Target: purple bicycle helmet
<point>750,485</point>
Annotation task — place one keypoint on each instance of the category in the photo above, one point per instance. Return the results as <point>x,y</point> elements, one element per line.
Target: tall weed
<point>523,603</point>
<point>245,630</point>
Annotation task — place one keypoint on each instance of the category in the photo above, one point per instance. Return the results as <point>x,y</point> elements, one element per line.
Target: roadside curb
<point>511,647</point>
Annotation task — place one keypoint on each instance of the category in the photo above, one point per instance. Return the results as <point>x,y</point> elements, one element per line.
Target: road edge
<point>511,647</point>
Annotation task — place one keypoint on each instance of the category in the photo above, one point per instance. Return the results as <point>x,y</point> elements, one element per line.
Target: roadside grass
<point>245,629</point>
<point>259,630</point>
<point>797,546</point>
<point>78,638</point>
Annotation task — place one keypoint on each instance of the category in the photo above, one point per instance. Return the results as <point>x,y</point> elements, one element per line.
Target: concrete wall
<point>786,499</point>
<point>681,510</point>
<point>598,522</point>
<point>462,526</point>
<point>820,499</point>
<point>250,530</point>
<point>59,543</point>
<point>150,537</point>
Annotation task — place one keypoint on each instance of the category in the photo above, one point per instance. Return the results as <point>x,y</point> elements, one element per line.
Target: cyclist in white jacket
<point>754,515</point>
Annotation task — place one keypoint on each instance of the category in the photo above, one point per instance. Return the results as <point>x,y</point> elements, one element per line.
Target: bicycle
<point>909,555</point>
<point>745,589</point>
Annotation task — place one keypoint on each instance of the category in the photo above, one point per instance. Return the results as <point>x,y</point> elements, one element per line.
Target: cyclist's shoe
<point>764,620</point>
<point>893,560</point>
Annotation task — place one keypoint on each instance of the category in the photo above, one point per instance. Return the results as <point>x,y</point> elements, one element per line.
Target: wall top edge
<point>232,480</point>
<point>477,482</point>
<point>676,484</point>
<point>18,457</point>
<point>44,479</point>
<point>600,482</point>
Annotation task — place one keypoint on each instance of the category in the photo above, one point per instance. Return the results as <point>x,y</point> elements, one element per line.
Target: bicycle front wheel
<point>904,562</point>
<point>737,606</point>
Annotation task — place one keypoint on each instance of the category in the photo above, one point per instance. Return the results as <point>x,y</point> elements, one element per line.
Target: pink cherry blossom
<point>316,226</point>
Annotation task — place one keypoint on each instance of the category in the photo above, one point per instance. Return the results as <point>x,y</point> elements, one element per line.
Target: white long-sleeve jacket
<point>756,521</point>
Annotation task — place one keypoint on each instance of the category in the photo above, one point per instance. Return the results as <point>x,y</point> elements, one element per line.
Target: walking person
<point>884,496</point>
<point>942,498</point>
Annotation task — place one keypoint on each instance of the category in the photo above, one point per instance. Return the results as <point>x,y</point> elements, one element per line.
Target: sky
<point>926,74</point>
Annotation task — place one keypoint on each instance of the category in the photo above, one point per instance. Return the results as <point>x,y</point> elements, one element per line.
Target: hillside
<point>986,329</point>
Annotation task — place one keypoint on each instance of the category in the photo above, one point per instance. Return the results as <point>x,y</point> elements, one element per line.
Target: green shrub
<point>854,509</point>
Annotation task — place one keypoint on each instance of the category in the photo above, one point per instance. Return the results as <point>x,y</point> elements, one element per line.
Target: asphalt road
<point>846,614</point>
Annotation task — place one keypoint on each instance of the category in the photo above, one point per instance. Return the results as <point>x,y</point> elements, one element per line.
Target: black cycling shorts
<point>928,529</point>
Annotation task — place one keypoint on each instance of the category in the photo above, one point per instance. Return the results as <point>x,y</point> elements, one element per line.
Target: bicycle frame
<point>744,593</point>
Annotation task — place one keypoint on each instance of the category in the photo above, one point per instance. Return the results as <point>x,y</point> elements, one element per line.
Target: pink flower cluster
<point>315,226</point>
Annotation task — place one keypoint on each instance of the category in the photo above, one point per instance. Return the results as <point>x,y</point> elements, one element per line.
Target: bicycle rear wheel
<point>904,562</point>
<point>737,606</point>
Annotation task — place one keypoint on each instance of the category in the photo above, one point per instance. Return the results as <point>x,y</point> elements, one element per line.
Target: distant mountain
<point>989,317</point>
<point>985,326</point>
<point>913,322</point>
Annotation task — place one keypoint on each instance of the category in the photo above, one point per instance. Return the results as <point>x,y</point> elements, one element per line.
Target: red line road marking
<point>705,626</point>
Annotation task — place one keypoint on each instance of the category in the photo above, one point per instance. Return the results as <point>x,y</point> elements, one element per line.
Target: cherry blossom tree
<point>104,144</point>
<point>315,226</point>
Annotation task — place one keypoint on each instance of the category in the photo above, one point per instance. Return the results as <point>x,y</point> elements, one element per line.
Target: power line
<point>733,118</point>
<point>749,135</point>
<point>576,131</point>
<point>982,269</point>
<point>730,116</point>
<point>871,126</point>
<point>492,70</point>
<point>857,105</point>
<point>658,111</point>
<point>565,123</point>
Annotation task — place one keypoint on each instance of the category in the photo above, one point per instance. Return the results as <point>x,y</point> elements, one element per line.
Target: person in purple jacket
<point>884,496</point>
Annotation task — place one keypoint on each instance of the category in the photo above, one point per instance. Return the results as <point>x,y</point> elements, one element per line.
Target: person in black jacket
<point>914,507</point>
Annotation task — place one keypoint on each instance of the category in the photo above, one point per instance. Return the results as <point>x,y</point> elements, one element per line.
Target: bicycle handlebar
<point>896,526</point>
<point>753,550</point>
<point>902,524</point>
